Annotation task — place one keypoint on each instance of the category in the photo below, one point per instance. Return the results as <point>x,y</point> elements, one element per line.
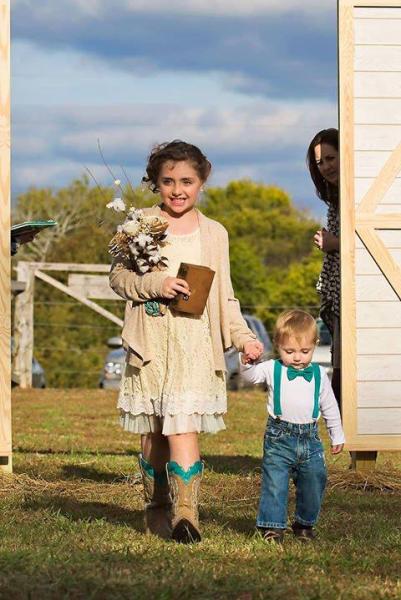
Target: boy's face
<point>297,353</point>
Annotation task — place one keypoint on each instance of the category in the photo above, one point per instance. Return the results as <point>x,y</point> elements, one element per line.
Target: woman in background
<point>323,163</point>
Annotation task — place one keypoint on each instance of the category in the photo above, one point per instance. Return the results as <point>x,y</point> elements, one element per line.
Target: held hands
<point>252,351</point>
<point>326,241</point>
<point>337,449</point>
<point>173,286</point>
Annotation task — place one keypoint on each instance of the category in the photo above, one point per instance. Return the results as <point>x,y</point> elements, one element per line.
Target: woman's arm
<point>326,241</point>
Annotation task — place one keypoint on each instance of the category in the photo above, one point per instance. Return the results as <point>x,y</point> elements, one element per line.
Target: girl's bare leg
<point>155,450</point>
<point>184,449</point>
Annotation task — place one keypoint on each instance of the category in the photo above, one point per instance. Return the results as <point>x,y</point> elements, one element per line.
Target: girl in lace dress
<point>173,386</point>
<point>322,158</point>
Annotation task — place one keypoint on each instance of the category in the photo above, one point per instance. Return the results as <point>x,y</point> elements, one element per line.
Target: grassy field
<point>71,520</point>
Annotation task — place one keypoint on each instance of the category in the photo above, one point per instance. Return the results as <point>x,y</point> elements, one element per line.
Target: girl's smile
<point>179,185</point>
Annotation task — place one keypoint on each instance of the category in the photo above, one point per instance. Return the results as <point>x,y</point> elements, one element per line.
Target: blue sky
<point>249,81</point>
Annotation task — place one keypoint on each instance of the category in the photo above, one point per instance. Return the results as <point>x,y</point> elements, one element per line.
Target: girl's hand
<point>326,241</point>
<point>173,286</point>
<point>253,350</point>
<point>337,449</point>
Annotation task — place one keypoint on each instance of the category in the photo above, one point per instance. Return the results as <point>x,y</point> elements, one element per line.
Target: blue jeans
<point>291,450</point>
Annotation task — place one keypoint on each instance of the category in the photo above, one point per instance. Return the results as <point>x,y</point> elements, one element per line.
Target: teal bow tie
<point>307,373</point>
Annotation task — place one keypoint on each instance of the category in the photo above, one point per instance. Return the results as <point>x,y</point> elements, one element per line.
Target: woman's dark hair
<point>175,151</point>
<point>325,190</point>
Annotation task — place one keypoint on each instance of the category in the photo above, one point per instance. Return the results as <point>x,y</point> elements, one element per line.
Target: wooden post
<point>5,267</point>
<point>23,327</point>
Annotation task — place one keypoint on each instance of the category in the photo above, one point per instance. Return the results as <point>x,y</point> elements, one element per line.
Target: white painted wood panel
<point>376,421</point>
<point>365,265</point>
<point>377,13</point>
<point>383,209</point>
<point>374,288</point>
<point>379,368</point>
<point>369,164</point>
<point>379,314</point>
<point>377,58</point>
<point>377,31</point>
<point>392,196</point>
<point>376,341</point>
<point>379,393</point>
<point>390,237</point>
<point>382,110</point>
<point>377,137</point>
<point>379,85</point>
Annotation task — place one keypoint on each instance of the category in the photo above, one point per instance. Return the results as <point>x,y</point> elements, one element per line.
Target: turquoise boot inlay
<point>159,476</point>
<point>186,476</point>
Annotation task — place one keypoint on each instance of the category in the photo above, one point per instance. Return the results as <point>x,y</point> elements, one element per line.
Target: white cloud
<point>232,8</point>
<point>265,141</point>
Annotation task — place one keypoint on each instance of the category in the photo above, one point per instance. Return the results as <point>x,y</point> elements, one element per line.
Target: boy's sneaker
<point>304,533</point>
<point>272,534</point>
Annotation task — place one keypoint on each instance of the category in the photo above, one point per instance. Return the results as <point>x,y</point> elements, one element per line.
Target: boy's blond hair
<point>295,323</point>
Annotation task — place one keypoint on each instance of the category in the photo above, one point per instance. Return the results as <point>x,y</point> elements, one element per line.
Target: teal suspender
<point>316,375</point>
<point>277,388</point>
<point>278,367</point>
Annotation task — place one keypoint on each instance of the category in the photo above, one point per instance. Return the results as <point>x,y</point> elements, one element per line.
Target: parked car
<point>234,381</point>
<point>115,360</point>
<point>322,354</point>
<point>113,365</point>
<point>38,373</point>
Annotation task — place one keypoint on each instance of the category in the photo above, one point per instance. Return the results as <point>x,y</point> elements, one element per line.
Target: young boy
<point>299,392</point>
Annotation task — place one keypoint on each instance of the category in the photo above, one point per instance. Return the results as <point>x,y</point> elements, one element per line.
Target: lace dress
<point>178,391</point>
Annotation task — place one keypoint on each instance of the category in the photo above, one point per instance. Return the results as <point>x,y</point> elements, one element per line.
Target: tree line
<point>273,263</point>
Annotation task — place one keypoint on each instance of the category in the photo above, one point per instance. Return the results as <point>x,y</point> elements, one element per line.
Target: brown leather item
<point>200,280</point>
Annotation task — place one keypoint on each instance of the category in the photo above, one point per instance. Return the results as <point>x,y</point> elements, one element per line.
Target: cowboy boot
<point>184,486</point>
<point>157,500</point>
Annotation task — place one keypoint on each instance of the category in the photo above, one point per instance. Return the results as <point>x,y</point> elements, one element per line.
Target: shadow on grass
<point>75,452</point>
<point>91,473</point>
<point>236,464</point>
<point>76,510</point>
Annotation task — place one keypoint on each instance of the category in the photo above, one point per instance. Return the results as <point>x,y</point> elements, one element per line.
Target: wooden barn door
<point>5,270</point>
<point>370,156</point>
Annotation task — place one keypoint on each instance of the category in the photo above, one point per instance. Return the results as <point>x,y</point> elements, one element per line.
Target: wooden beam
<point>382,257</point>
<point>78,267</point>
<point>347,216</point>
<point>364,461</point>
<point>23,327</point>
<point>5,268</point>
<point>92,286</point>
<point>63,288</point>
<point>379,221</point>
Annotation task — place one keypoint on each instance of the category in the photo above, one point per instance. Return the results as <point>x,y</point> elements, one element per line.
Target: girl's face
<point>326,157</point>
<point>297,354</point>
<point>179,186</point>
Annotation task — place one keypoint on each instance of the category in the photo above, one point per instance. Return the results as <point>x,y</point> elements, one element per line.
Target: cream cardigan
<point>227,325</point>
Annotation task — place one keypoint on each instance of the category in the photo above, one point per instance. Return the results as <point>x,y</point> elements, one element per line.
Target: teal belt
<point>278,367</point>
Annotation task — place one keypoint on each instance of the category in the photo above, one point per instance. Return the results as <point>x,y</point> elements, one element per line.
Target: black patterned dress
<point>329,283</point>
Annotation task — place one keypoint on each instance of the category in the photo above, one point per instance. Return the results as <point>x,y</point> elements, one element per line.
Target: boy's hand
<point>252,351</point>
<point>337,449</point>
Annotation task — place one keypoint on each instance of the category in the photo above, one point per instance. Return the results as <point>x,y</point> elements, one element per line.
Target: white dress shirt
<point>297,397</point>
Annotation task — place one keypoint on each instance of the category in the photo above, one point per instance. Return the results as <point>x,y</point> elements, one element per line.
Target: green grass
<point>71,519</point>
